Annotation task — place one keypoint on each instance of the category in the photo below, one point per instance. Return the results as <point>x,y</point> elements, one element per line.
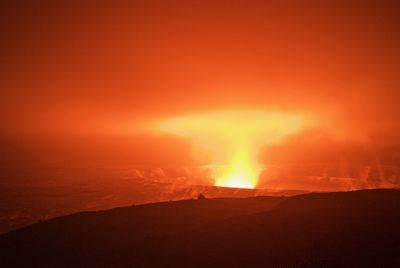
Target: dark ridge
<point>341,229</point>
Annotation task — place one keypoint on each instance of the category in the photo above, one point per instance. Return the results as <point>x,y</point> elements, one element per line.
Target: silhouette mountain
<point>343,229</point>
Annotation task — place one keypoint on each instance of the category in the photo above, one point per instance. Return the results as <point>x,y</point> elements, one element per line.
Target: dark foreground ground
<point>344,229</point>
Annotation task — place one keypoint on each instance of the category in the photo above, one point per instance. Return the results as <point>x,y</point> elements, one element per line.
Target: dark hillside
<point>343,229</point>
<point>88,236</point>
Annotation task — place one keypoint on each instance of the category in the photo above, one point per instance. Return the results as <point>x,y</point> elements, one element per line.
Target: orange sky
<point>77,79</point>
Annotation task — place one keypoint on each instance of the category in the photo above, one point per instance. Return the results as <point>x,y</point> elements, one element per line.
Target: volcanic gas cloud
<point>230,140</point>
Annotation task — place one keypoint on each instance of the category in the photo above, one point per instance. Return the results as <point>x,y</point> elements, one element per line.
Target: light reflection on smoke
<point>278,178</point>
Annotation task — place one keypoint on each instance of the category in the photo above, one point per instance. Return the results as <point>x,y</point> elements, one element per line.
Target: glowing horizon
<point>233,137</point>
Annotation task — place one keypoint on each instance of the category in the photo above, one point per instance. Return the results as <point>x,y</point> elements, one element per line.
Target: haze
<point>79,80</point>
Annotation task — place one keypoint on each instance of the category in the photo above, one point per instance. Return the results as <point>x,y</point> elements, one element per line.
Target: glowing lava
<point>233,137</point>
<point>242,172</point>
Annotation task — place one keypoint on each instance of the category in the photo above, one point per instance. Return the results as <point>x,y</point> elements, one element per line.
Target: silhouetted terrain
<point>344,229</point>
<point>23,204</point>
<point>31,194</point>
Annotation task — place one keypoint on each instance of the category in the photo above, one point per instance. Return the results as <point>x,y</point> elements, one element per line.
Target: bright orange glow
<point>234,138</point>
